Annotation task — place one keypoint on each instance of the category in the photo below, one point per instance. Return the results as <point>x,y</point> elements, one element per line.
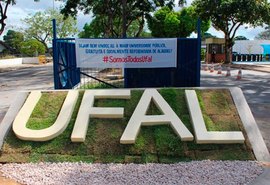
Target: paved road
<point>256,88</point>
<point>255,85</point>
<point>30,78</point>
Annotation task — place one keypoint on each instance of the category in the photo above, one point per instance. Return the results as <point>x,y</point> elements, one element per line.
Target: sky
<point>22,9</point>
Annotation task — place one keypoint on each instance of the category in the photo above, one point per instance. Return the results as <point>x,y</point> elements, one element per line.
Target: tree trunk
<point>3,12</point>
<point>46,47</point>
<point>141,27</point>
<point>228,49</point>
<point>124,19</point>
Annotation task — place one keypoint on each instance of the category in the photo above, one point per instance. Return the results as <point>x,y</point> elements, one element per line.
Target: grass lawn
<point>154,144</point>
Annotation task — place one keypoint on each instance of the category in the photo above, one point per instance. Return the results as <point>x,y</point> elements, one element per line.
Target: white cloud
<point>249,32</point>
<point>15,14</point>
<point>245,30</point>
<point>23,8</point>
<point>215,32</point>
<point>82,19</point>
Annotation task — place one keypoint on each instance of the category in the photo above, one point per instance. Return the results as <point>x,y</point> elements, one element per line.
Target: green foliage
<point>168,23</point>
<point>229,15</point>
<point>99,85</point>
<point>93,30</point>
<point>39,26</point>
<point>46,111</point>
<point>14,39</point>
<point>240,38</point>
<point>203,54</point>
<point>157,22</point>
<point>167,143</point>
<point>96,29</point>
<point>32,48</point>
<point>171,24</point>
<point>207,35</point>
<point>115,18</point>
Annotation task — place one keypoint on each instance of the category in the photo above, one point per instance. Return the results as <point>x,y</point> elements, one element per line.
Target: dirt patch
<point>265,164</point>
<point>6,181</point>
<point>107,138</point>
<point>218,102</point>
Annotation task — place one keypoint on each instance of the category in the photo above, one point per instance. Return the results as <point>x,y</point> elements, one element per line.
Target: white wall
<point>10,62</point>
<point>30,60</point>
<point>19,61</point>
<point>249,46</point>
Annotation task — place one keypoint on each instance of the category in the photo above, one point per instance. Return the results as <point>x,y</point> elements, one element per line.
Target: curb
<point>10,115</point>
<point>255,137</point>
<point>248,67</point>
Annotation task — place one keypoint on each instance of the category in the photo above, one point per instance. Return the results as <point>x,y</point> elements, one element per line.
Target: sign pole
<point>199,42</point>
<point>55,57</point>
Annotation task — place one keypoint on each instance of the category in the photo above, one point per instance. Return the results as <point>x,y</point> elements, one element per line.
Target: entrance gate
<point>67,75</point>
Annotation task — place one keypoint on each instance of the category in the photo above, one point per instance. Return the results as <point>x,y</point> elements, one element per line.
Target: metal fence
<point>68,76</point>
<point>247,57</point>
<point>101,78</point>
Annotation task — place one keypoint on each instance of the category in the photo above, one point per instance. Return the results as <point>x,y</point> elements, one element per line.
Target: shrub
<point>32,48</point>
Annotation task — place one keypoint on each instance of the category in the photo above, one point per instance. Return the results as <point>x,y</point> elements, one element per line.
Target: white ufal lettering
<point>61,123</point>
<point>87,110</point>
<point>201,134</point>
<point>138,119</point>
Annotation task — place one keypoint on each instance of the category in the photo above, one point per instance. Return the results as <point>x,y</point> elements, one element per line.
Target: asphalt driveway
<point>21,78</point>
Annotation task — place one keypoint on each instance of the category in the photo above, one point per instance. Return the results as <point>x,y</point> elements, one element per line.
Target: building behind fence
<point>251,51</point>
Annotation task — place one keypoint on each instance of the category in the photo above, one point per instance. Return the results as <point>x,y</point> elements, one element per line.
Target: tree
<point>157,23</point>
<point>240,38</point>
<point>167,23</point>
<point>265,35</point>
<point>14,39</point>
<point>32,47</point>
<point>115,15</point>
<point>207,35</point>
<point>40,26</point>
<point>3,13</point>
<point>229,15</point>
<point>95,29</point>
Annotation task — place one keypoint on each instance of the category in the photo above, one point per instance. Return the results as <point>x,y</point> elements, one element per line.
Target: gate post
<point>199,43</point>
<point>55,57</point>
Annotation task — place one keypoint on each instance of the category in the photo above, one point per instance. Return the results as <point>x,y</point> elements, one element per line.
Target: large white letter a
<point>139,118</point>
